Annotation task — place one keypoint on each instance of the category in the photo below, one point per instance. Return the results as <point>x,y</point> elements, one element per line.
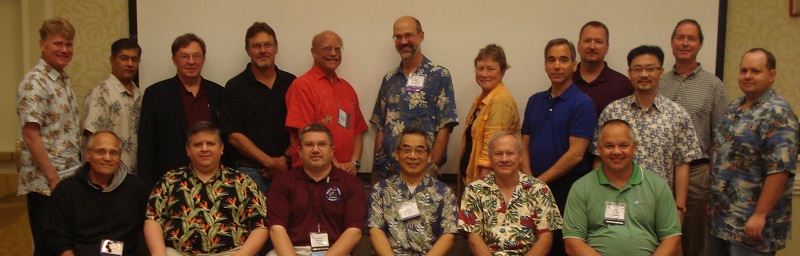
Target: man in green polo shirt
<point>619,208</point>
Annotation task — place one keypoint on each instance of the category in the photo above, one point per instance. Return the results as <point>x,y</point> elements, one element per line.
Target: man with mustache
<point>417,93</point>
<point>593,76</point>
<point>668,141</point>
<point>253,110</point>
<point>115,103</point>
<point>321,96</point>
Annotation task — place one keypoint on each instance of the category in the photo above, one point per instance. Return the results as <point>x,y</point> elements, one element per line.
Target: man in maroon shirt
<point>593,76</point>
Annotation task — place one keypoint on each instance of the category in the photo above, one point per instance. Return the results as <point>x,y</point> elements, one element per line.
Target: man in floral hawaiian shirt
<point>416,93</point>
<point>508,212</point>
<point>412,213</point>
<point>49,122</point>
<point>205,207</point>
<point>754,161</point>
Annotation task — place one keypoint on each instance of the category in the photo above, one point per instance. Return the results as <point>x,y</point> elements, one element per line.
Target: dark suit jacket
<point>163,128</point>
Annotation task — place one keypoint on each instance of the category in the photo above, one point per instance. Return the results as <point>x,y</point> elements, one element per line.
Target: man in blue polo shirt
<point>559,124</point>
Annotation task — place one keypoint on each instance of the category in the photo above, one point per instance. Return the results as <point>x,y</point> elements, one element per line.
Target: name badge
<point>344,119</point>
<point>111,247</point>
<point>408,209</point>
<point>615,213</point>
<point>319,243</point>
<point>415,83</point>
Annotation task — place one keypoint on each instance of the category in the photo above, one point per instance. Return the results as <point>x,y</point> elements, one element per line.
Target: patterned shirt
<point>109,106</point>
<point>703,95</point>
<point>210,217</point>
<point>750,145</point>
<point>509,229</point>
<point>429,109</point>
<point>437,206</point>
<point>45,97</point>
<point>664,132</point>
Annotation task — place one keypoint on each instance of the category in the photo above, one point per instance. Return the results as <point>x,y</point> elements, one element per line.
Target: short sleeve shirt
<point>45,97</point>
<point>664,132</point>
<point>750,145</point>
<point>210,217</point>
<point>435,201</point>
<point>509,229</point>
<point>429,109</point>
<point>109,106</point>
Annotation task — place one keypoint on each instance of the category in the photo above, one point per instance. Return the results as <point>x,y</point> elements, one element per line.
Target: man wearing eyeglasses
<point>667,141</point>
<point>321,96</point>
<point>171,106</point>
<point>705,97</point>
<point>253,111</point>
<point>412,213</point>
<point>115,103</point>
<point>416,93</point>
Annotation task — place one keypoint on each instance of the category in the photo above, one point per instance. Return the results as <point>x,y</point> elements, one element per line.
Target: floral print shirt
<point>749,145</point>
<point>109,106</point>
<point>210,217</point>
<point>45,97</point>
<point>429,109</point>
<point>509,229</point>
<point>415,236</point>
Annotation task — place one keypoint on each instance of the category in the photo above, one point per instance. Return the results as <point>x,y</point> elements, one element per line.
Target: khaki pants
<point>172,252</point>
<point>300,250</point>
<point>695,222</point>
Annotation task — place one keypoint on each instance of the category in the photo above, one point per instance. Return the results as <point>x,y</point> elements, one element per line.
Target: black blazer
<point>163,128</point>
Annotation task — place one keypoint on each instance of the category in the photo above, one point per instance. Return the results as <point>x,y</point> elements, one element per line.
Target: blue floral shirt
<point>415,236</point>
<point>749,145</point>
<point>429,109</point>
<point>664,132</point>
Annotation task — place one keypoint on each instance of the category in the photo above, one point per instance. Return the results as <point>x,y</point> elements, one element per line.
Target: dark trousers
<point>37,206</point>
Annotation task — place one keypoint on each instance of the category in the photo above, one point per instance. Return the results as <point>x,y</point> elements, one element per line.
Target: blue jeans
<point>717,246</point>
<point>255,175</point>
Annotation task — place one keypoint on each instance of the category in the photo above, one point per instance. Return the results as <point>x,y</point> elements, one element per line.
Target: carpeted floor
<point>14,228</point>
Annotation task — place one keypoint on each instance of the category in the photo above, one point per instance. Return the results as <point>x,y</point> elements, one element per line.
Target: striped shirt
<point>703,95</point>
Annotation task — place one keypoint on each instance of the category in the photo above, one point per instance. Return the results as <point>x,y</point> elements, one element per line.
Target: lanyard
<point>321,203</point>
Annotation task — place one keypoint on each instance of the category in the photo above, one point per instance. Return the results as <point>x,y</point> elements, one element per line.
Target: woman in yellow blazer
<point>492,111</point>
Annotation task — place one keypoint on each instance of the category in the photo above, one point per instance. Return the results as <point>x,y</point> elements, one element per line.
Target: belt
<point>699,161</point>
<point>248,164</point>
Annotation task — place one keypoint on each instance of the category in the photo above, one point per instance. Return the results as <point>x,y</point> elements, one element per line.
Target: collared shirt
<point>110,106</point>
<point>429,109</point>
<point>210,217</point>
<point>45,97</point>
<point>437,207</point>
<point>195,107</point>
<point>497,112</point>
<point>313,98</point>
<point>750,145</point>
<point>664,133</point>
<point>703,95</point>
<point>551,121</point>
<point>609,86</point>
<point>649,216</point>
<point>509,229</point>
<point>258,112</point>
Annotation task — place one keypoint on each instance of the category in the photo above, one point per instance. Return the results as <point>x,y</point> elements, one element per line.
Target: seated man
<point>619,208</point>
<point>205,207</point>
<point>508,212</point>
<point>420,210</point>
<point>316,207</point>
<point>97,205</point>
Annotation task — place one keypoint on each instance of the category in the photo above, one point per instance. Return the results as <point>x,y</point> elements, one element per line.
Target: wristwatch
<point>357,163</point>
<point>682,209</point>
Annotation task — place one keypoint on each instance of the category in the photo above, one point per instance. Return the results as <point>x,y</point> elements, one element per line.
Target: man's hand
<point>755,226</point>
<point>348,167</point>
<point>53,182</point>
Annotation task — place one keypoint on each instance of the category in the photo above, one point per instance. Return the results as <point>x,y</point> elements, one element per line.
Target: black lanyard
<point>321,202</point>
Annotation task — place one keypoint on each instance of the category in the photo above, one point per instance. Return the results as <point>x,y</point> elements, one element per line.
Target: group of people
<point>656,162</point>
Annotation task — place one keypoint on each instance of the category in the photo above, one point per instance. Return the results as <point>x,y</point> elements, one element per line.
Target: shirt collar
<point>399,69</point>
<point>119,88</point>
<point>569,92</point>
<point>52,72</point>
<point>659,102</point>
<point>636,177</point>
<point>602,77</point>
<point>490,97</point>
<point>317,74</point>
<point>699,67</point>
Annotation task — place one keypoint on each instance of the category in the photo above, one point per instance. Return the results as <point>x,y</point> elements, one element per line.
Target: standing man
<point>253,111</point>
<point>171,106</point>
<point>704,96</point>
<point>755,156</point>
<point>593,75</point>
<point>318,206</point>
<point>558,126</point>
<point>49,123</point>
<point>115,103</point>
<point>320,96</point>
<point>412,213</point>
<point>620,208</point>
<point>417,93</point>
<point>101,203</point>
<point>668,141</point>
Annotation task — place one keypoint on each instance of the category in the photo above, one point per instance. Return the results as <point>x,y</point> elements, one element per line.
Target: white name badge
<point>319,243</point>
<point>415,83</point>
<point>408,209</point>
<point>344,119</point>
<point>111,247</point>
<point>615,213</point>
